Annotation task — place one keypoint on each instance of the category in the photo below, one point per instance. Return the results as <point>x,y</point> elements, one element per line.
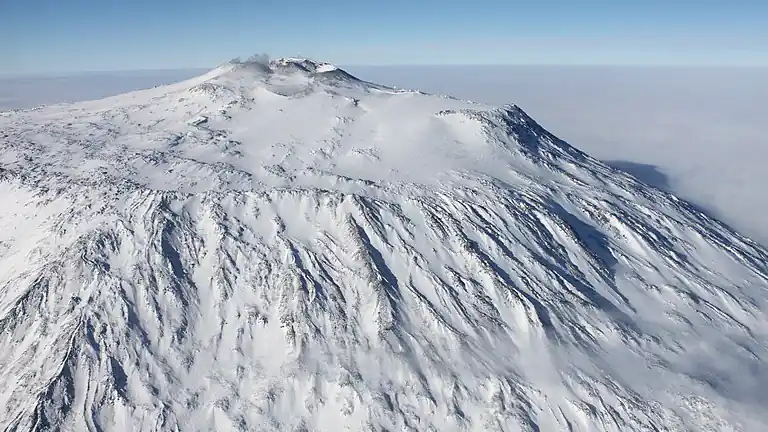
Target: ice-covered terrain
<point>282,246</point>
<point>698,132</point>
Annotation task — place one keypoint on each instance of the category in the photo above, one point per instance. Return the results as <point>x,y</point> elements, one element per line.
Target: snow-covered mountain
<point>281,246</point>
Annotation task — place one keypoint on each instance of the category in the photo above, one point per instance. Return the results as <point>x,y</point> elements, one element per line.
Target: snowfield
<point>284,247</point>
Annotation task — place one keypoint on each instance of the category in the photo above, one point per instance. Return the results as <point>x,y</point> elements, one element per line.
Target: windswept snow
<point>284,246</point>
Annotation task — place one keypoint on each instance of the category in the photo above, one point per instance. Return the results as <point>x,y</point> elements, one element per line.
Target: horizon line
<point>68,73</point>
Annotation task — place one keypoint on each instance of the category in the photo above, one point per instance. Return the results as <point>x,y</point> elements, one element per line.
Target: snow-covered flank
<point>262,248</point>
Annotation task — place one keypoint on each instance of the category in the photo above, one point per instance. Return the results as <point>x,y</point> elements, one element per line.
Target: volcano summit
<point>281,246</point>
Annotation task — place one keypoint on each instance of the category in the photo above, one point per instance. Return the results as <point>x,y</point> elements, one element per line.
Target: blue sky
<point>45,36</point>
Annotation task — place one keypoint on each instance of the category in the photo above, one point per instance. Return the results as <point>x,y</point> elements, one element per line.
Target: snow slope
<point>282,246</point>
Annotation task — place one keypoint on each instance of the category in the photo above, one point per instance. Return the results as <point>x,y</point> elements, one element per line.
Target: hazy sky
<point>46,36</point>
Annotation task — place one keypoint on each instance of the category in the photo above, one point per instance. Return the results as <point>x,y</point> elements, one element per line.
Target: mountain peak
<point>304,63</point>
<point>260,66</point>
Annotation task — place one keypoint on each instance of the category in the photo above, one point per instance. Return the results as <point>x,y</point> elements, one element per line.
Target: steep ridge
<point>263,248</point>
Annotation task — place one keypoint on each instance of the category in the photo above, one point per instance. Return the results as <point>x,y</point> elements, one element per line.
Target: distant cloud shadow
<point>646,173</point>
<point>650,175</point>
